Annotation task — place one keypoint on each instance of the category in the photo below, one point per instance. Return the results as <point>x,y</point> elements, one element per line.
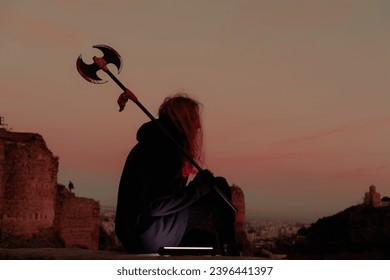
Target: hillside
<point>358,232</point>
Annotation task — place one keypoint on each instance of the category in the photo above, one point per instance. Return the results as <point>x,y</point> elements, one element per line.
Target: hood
<point>151,131</point>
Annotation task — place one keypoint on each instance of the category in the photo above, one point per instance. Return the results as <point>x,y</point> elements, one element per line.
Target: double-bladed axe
<point>110,56</point>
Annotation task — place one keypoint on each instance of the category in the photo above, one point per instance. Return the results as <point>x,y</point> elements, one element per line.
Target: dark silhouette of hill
<point>358,232</point>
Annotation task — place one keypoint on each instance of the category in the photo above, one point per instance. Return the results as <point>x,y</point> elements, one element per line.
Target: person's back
<point>155,207</point>
<point>147,175</point>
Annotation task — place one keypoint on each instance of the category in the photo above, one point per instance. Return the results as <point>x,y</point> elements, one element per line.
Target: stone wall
<point>238,200</point>
<point>30,200</point>
<point>77,220</point>
<point>28,179</point>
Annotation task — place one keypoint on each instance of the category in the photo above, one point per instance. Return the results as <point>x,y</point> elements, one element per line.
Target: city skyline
<point>295,93</point>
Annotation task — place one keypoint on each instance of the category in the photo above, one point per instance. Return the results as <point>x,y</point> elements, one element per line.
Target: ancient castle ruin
<point>374,199</point>
<point>238,200</point>
<point>31,201</point>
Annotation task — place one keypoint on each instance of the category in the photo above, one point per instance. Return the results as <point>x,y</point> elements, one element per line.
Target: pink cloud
<point>39,30</point>
<point>268,157</point>
<point>353,127</point>
<point>300,159</point>
<point>378,171</point>
<point>293,14</point>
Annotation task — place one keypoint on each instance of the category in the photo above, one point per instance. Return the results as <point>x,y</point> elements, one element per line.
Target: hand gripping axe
<point>89,72</point>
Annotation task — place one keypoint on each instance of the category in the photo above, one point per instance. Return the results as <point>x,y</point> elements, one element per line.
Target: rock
<point>32,207</point>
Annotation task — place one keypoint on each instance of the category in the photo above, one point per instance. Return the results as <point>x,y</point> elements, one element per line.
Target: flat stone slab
<point>82,254</point>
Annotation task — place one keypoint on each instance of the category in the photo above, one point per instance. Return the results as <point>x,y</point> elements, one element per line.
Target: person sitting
<point>157,205</point>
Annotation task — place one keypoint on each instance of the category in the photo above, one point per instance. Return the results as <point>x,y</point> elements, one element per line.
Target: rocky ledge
<point>83,254</point>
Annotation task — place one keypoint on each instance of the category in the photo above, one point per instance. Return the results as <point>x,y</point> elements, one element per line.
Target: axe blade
<point>89,71</point>
<point>110,56</point>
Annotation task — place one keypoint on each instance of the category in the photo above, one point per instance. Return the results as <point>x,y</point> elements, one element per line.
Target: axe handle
<point>190,159</point>
<point>112,76</point>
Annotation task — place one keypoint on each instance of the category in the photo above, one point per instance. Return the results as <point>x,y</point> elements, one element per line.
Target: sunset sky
<point>296,93</point>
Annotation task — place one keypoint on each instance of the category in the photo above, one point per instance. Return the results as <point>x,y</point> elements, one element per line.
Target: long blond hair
<point>184,112</point>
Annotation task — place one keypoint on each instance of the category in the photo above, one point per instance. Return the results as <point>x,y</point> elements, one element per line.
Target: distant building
<point>372,197</point>
<point>3,125</point>
<point>385,201</point>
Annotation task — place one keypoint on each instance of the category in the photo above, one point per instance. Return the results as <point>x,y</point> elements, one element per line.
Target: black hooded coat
<point>153,198</point>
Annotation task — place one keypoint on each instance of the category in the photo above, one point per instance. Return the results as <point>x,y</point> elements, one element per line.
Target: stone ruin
<point>238,200</point>
<point>31,201</point>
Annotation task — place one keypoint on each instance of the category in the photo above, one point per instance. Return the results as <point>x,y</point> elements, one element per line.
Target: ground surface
<point>81,254</point>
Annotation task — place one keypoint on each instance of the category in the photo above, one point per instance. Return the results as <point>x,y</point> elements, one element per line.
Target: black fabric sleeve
<point>181,198</point>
